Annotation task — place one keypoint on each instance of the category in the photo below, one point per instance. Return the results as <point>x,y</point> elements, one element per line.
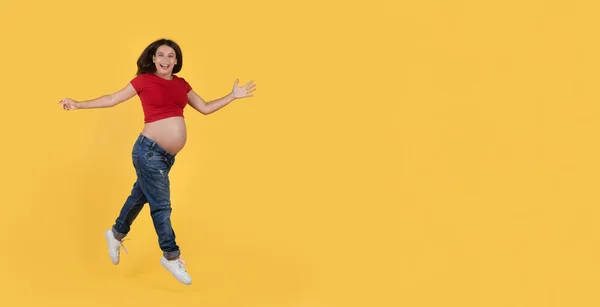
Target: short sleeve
<point>137,83</point>
<point>186,85</point>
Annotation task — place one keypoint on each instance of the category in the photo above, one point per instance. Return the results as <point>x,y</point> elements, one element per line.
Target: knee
<point>163,208</point>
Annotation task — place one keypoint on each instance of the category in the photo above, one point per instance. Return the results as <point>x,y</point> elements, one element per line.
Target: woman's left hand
<point>243,91</point>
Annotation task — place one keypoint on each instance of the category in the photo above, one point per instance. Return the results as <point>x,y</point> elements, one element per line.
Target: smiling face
<point>165,59</point>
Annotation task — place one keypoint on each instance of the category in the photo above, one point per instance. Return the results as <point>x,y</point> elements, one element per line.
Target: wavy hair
<point>145,64</point>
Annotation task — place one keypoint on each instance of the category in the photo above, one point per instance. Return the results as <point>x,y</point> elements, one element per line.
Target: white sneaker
<point>176,267</point>
<point>114,246</point>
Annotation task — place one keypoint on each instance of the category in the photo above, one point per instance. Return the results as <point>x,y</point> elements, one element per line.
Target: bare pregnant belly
<point>170,133</point>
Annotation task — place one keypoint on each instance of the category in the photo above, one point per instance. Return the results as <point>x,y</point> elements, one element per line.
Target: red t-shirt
<point>161,98</point>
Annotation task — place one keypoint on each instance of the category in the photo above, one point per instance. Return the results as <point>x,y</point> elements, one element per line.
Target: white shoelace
<point>181,264</point>
<point>120,244</point>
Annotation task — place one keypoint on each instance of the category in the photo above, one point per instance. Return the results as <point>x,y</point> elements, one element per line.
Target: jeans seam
<point>130,208</point>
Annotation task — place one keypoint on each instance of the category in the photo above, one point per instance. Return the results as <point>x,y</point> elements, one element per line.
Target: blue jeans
<point>152,165</point>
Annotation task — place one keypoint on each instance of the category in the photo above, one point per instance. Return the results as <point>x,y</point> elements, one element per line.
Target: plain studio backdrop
<point>396,153</point>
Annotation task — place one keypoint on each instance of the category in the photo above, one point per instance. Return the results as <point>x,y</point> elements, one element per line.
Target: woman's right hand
<point>68,104</point>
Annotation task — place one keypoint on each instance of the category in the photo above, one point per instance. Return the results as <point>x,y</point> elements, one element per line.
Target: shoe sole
<point>162,263</point>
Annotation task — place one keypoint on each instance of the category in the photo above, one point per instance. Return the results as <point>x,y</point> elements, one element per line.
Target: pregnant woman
<point>163,97</point>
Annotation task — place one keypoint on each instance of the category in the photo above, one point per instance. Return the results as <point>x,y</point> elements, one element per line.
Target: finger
<point>236,82</point>
<point>251,90</point>
<point>251,86</point>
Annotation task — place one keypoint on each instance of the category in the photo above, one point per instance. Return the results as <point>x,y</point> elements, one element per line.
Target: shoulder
<point>141,77</point>
<point>180,79</point>
<point>184,82</point>
<point>139,81</point>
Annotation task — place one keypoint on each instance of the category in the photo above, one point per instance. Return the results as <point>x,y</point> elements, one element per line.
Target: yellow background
<point>397,153</point>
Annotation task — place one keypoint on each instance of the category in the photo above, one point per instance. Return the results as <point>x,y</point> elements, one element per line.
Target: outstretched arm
<point>206,108</point>
<point>105,101</point>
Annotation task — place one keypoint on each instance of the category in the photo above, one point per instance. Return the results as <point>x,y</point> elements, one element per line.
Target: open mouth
<point>165,66</point>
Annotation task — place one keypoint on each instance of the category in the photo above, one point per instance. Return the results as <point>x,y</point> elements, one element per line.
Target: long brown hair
<point>145,64</point>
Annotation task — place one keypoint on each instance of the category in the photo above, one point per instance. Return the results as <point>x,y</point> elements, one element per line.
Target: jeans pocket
<point>154,156</point>
<point>156,161</point>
